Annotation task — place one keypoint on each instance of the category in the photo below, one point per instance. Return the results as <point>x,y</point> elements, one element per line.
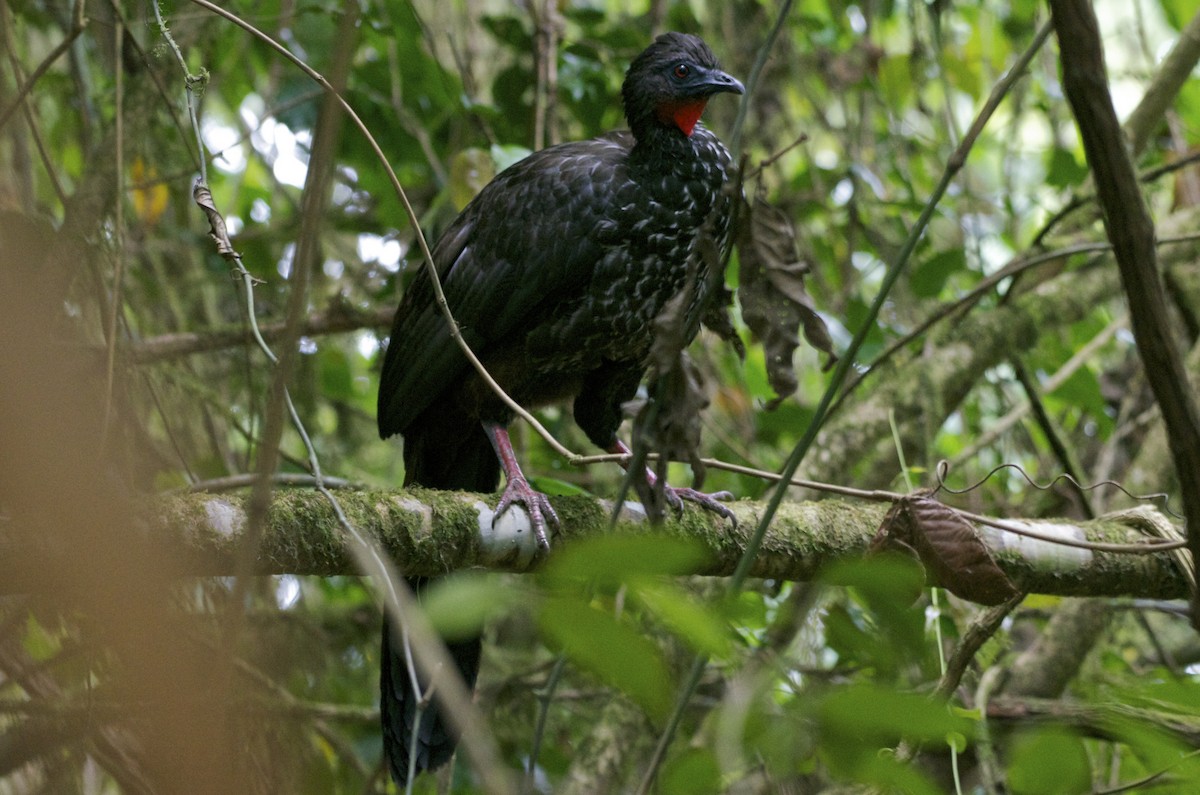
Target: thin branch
<point>1139,784</point>
<point>422,243</point>
<point>1010,526</point>
<point>48,160</point>
<point>118,287</point>
<point>983,627</point>
<point>955,163</point>
<point>1050,432</point>
<point>336,320</point>
<point>1130,228</point>
<point>1080,358</point>
<point>246,480</point>
<point>1098,720</point>
<point>760,61</point>
<point>78,25</point>
<point>370,558</point>
<point>1175,70</point>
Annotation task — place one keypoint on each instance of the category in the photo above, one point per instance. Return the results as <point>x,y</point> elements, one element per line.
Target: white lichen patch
<point>224,519</point>
<point>630,511</point>
<point>1045,553</point>
<point>506,540</point>
<point>419,508</point>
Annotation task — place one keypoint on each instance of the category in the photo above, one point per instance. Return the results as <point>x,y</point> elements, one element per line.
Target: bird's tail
<point>445,449</point>
<point>422,740</point>
<point>441,452</point>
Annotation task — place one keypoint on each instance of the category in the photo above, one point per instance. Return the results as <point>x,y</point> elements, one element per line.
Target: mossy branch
<point>433,532</point>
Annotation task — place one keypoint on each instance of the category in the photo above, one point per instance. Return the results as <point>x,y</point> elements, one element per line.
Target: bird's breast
<point>651,238</point>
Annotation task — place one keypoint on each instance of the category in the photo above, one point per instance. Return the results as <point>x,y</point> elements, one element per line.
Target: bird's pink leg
<point>517,488</point>
<point>676,496</point>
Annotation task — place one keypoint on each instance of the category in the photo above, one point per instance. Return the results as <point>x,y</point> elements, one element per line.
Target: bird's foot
<point>709,502</point>
<point>537,505</point>
<point>675,497</point>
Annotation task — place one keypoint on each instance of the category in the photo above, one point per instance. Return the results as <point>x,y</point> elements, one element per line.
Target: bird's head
<point>671,81</point>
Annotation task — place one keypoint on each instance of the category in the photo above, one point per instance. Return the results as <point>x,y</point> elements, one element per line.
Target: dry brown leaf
<point>772,295</point>
<point>947,545</point>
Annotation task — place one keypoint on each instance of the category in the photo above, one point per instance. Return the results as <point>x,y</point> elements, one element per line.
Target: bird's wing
<point>530,238</point>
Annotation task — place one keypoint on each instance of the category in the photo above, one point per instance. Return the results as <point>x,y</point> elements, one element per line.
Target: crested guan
<point>554,273</point>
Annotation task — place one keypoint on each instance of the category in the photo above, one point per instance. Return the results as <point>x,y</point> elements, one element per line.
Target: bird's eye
<point>681,71</point>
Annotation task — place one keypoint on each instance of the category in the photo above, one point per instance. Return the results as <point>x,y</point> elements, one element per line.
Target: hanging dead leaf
<point>947,545</point>
<point>716,319</point>
<point>218,231</point>
<point>772,295</point>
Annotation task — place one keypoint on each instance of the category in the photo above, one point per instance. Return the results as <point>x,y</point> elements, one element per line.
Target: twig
<point>246,479</point>
<point>760,61</point>
<point>337,320</point>
<point>879,495</point>
<point>49,162</point>
<point>983,627</point>
<point>1058,446</point>
<point>955,163</point>
<point>544,698</point>
<point>370,557</point>
<point>78,25</point>
<point>422,243</point>
<point>1169,78</point>
<point>985,748</point>
<point>118,287</point>
<point>1141,783</point>
<point>195,85</point>
<point>1080,358</point>
<point>962,304</point>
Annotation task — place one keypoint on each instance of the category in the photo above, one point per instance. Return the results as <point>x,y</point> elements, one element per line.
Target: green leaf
<point>969,714</point>
<point>854,646</point>
<point>887,582</point>
<point>879,717</point>
<point>616,558</point>
<point>460,604</point>
<point>1081,392</point>
<point>613,651</point>
<point>889,774</point>
<point>1048,761</point>
<point>754,374</point>
<point>337,382</point>
<point>1178,12</point>
<point>930,275</point>
<point>1064,170</point>
<point>895,77</point>
<point>694,772</point>
<point>470,170</point>
<point>855,315</point>
<point>701,628</point>
<point>38,643</point>
<point>509,30</point>
<point>506,155</point>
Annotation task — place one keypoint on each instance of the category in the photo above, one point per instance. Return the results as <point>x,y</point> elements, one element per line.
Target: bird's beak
<point>715,82</point>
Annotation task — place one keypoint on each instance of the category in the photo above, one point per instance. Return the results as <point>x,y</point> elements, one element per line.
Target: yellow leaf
<point>149,194</point>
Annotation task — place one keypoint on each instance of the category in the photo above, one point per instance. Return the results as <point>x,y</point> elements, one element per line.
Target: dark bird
<point>554,273</point>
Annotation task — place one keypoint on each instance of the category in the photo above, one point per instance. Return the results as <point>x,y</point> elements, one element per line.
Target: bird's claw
<point>537,505</point>
<point>709,502</point>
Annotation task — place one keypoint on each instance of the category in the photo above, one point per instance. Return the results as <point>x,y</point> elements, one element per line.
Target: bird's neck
<point>666,146</point>
<point>683,115</point>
